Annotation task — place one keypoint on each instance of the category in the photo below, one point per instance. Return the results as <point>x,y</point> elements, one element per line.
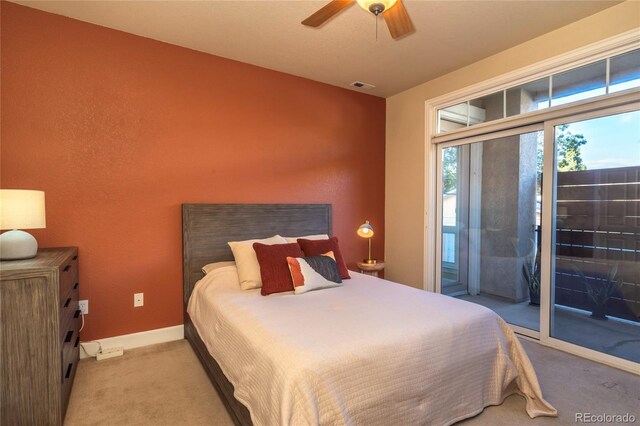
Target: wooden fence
<point>597,227</point>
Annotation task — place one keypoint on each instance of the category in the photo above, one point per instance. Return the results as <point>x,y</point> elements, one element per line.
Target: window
<point>609,75</point>
<point>624,71</point>
<point>579,83</point>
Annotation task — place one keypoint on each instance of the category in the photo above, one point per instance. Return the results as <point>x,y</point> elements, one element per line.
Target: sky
<point>612,141</point>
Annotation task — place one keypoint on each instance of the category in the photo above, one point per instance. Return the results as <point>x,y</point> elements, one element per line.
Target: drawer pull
<point>77,342</point>
<point>68,337</point>
<point>66,304</point>
<point>66,268</point>
<point>66,376</point>
<point>75,286</point>
<point>75,257</point>
<point>77,314</point>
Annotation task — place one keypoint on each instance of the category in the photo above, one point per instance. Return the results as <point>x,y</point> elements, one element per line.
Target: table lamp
<point>366,231</point>
<point>20,209</point>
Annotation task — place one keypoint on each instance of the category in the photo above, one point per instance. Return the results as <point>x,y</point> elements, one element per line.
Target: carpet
<point>166,385</point>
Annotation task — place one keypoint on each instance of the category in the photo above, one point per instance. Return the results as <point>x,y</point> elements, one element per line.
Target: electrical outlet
<point>138,300</point>
<point>83,305</point>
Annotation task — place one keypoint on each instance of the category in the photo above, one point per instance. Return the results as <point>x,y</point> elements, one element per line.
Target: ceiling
<point>449,34</point>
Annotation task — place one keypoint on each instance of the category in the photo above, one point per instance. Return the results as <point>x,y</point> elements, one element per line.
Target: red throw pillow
<point>274,269</point>
<point>320,247</point>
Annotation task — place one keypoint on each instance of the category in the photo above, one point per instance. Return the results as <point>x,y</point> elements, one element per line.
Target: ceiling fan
<point>393,12</point>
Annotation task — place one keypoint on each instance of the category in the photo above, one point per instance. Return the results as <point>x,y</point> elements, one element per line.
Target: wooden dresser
<point>39,336</point>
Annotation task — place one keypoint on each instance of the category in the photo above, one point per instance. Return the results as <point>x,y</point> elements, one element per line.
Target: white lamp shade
<point>21,209</point>
<point>365,230</point>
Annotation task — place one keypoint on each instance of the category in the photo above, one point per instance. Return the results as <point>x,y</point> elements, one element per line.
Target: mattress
<point>370,352</point>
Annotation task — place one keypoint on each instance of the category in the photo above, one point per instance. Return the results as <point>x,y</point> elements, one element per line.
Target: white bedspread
<point>369,353</point>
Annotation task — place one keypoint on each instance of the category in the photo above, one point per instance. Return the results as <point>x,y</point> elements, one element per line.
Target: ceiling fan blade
<point>398,20</point>
<point>326,12</point>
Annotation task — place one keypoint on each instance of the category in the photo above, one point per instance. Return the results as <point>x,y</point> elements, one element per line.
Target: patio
<point>616,337</point>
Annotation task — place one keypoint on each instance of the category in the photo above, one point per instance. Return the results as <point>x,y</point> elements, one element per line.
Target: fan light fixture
<point>376,6</point>
<point>393,12</point>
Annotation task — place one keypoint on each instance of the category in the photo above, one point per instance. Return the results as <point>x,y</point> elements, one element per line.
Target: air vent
<point>361,85</point>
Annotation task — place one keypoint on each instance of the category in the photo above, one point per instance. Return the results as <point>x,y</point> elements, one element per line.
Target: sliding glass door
<point>596,252</point>
<point>491,205</point>
<point>542,225</point>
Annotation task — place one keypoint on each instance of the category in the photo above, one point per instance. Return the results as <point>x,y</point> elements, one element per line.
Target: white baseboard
<point>134,340</point>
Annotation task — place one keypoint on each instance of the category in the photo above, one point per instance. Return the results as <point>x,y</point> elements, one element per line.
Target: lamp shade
<point>21,209</point>
<point>365,230</point>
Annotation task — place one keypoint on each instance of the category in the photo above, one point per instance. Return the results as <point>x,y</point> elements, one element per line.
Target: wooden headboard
<point>206,229</point>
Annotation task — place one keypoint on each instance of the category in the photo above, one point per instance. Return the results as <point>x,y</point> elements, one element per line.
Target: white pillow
<point>247,261</point>
<point>307,237</point>
<point>210,267</point>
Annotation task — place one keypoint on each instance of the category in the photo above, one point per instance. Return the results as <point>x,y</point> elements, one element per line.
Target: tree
<point>568,146</point>
<point>568,150</point>
<point>449,169</point>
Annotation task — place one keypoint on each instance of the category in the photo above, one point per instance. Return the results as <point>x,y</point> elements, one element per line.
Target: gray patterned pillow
<point>314,272</point>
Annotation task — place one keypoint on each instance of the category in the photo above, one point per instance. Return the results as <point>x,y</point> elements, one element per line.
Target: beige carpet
<point>156,385</point>
<point>165,385</point>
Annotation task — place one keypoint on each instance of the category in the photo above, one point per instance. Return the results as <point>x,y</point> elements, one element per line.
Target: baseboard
<point>135,340</point>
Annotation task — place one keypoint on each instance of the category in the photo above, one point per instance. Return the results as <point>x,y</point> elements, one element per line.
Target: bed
<point>369,352</point>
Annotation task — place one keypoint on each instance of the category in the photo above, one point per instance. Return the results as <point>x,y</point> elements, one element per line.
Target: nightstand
<point>370,268</point>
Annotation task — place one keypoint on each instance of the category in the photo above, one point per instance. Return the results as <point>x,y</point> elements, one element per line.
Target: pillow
<point>318,247</point>
<point>210,267</point>
<point>314,272</point>
<point>308,237</point>
<point>247,263</point>
<point>274,271</point>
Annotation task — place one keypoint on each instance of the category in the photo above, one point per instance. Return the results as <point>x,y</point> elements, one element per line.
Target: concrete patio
<point>616,337</point>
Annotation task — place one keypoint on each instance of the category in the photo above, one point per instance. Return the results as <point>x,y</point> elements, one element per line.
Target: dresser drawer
<point>70,358</point>
<point>70,345</point>
<point>68,277</point>
<point>69,314</point>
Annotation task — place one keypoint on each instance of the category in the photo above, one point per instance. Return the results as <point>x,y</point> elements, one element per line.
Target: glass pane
<point>453,117</point>
<point>580,83</point>
<point>624,71</point>
<point>450,222</point>
<point>596,279</point>
<point>528,97</point>
<point>486,108</point>
<point>491,206</point>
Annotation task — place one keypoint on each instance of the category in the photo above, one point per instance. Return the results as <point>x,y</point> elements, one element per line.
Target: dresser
<point>40,336</point>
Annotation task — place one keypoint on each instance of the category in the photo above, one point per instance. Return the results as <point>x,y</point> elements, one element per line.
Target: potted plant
<point>531,273</point>
<point>600,290</point>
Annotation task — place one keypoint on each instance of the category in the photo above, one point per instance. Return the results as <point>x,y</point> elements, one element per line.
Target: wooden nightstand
<point>370,268</point>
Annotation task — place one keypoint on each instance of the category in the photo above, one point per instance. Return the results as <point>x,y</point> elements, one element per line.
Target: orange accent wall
<point>120,130</point>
